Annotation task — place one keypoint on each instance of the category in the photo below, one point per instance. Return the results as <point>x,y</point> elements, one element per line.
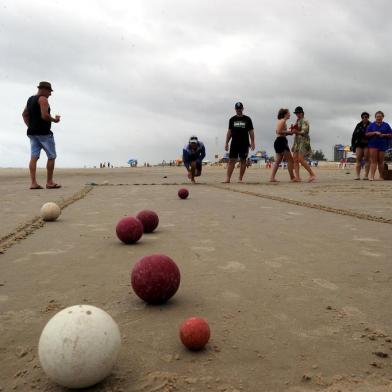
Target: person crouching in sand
<point>281,145</point>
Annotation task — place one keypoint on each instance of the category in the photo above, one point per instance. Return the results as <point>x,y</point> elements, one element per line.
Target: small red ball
<point>129,230</point>
<point>194,333</point>
<point>155,278</point>
<point>183,193</point>
<point>149,220</point>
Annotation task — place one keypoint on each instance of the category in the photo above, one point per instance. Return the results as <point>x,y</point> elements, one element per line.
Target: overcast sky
<point>135,79</point>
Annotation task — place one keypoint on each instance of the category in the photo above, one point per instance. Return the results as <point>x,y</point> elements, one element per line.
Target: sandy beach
<point>294,279</point>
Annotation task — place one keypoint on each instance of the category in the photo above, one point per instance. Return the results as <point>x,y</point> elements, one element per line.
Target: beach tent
<point>132,162</point>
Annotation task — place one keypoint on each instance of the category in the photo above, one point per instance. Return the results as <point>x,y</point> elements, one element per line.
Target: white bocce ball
<point>50,211</point>
<point>79,346</point>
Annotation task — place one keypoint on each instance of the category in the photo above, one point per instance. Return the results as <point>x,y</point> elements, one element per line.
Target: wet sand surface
<point>298,297</point>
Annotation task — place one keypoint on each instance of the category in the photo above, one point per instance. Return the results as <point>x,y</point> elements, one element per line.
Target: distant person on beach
<point>239,132</point>
<point>36,116</point>
<point>192,155</point>
<point>359,145</point>
<point>301,147</point>
<point>379,135</point>
<point>281,146</point>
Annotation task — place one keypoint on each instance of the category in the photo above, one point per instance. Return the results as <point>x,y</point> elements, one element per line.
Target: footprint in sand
<point>3,298</point>
<point>49,252</point>
<point>365,252</point>
<point>230,295</point>
<point>325,284</point>
<point>366,239</point>
<point>273,264</point>
<point>233,266</point>
<point>203,248</point>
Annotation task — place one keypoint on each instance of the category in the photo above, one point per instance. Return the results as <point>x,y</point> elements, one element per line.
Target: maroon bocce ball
<point>155,278</point>
<point>183,193</point>
<point>195,333</point>
<point>129,229</point>
<point>149,220</point>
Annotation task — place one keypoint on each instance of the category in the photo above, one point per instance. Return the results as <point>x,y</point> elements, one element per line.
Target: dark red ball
<point>155,278</point>
<point>183,193</point>
<point>149,220</point>
<point>195,333</point>
<point>129,230</point>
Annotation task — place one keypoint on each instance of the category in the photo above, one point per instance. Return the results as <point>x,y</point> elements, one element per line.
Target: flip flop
<point>37,187</point>
<point>54,186</point>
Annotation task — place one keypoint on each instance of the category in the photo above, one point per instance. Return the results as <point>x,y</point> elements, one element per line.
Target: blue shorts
<point>45,142</point>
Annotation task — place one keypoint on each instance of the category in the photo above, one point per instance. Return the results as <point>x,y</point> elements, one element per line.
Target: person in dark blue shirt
<point>192,155</point>
<point>379,135</point>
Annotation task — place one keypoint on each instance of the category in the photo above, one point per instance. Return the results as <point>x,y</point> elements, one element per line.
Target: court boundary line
<point>306,204</point>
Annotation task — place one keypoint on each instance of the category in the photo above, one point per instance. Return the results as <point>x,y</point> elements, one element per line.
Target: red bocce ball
<point>129,230</point>
<point>183,193</point>
<point>149,220</point>
<point>194,333</point>
<point>155,278</point>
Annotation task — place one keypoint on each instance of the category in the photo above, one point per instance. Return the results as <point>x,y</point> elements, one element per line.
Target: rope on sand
<point>319,207</point>
<point>24,230</point>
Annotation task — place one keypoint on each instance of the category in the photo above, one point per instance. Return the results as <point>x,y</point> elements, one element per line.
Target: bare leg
<point>296,158</point>
<point>33,171</point>
<point>307,167</point>
<point>380,162</point>
<point>290,164</point>
<point>192,172</point>
<point>242,169</point>
<point>367,162</point>
<point>275,167</point>
<point>230,169</point>
<point>359,155</point>
<point>373,153</point>
<point>50,170</point>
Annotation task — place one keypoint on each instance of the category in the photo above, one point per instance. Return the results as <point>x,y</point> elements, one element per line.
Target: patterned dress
<point>302,142</point>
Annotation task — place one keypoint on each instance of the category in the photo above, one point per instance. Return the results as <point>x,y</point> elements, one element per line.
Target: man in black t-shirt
<point>239,132</point>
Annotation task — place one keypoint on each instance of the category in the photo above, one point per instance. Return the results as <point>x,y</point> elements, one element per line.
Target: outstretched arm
<point>185,158</point>
<point>252,139</point>
<point>202,153</point>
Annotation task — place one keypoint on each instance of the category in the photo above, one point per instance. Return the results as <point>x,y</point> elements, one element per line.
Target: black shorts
<point>238,150</point>
<point>281,145</point>
<point>360,145</point>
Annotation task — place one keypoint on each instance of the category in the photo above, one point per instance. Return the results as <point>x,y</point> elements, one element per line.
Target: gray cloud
<point>135,80</point>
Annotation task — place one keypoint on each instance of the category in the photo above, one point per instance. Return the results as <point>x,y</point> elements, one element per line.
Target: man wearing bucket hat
<point>192,155</point>
<point>38,120</point>
<point>301,147</point>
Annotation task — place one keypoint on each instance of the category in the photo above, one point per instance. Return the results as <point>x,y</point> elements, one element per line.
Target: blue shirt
<point>189,155</point>
<point>381,143</point>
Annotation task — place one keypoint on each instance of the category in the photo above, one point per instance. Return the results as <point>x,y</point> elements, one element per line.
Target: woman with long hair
<point>281,145</point>
<point>379,135</point>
